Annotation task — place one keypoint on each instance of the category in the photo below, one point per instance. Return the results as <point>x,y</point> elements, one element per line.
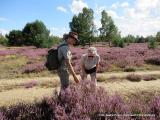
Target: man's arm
<point>66,55</point>
<point>68,62</point>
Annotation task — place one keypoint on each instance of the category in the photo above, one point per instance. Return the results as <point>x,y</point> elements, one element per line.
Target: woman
<point>89,64</point>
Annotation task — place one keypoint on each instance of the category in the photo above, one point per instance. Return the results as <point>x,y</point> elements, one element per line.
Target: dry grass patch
<point>15,96</point>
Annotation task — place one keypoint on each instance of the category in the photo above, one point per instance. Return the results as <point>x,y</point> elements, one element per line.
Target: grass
<point>15,96</point>
<point>10,65</point>
<point>43,82</point>
<point>12,91</point>
<point>128,88</point>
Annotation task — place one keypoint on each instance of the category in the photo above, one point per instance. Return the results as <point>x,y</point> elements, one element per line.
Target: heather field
<point>128,83</point>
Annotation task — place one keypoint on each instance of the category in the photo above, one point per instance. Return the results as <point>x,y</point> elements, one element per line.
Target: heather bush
<point>113,77</point>
<point>149,77</point>
<point>84,102</point>
<point>136,54</point>
<point>153,60</point>
<point>2,117</point>
<point>30,84</point>
<point>155,107</point>
<point>101,78</point>
<point>37,111</point>
<point>129,69</point>
<point>134,77</point>
<point>33,68</point>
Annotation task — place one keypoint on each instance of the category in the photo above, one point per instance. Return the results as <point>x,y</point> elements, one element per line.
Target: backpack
<point>52,62</point>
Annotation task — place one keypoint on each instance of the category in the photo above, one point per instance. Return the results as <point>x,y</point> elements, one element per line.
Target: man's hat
<point>74,35</point>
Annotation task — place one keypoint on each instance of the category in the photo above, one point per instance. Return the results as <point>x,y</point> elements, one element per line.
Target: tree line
<point>33,34</point>
<point>36,33</point>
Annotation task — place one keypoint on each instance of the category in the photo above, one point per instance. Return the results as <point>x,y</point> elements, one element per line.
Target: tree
<point>3,40</point>
<point>108,31</point>
<point>140,39</point>
<point>15,38</point>
<point>37,34</point>
<point>83,24</point>
<point>129,39</point>
<point>55,40</point>
<point>158,37</point>
<point>152,43</point>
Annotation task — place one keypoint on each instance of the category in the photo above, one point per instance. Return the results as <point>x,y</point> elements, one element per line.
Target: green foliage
<point>108,31</point>
<point>36,34</point>
<point>129,39</point>
<point>118,43</point>
<point>3,40</point>
<point>158,37</point>
<point>152,44</point>
<point>121,43</point>
<point>83,24</point>
<point>54,40</point>
<point>15,38</point>
<point>140,39</point>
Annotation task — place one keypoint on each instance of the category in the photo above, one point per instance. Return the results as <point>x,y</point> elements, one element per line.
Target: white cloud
<point>142,18</point>
<point>144,5</point>
<point>3,19</point>
<point>58,31</point>
<point>97,23</point>
<point>125,4</point>
<point>77,6</point>
<point>62,9</point>
<point>112,13</point>
<point>143,27</point>
<point>3,31</point>
<point>99,9</point>
<point>120,5</point>
<point>115,5</point>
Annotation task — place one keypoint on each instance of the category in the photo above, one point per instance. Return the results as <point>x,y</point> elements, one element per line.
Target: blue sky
<point>137,17</point>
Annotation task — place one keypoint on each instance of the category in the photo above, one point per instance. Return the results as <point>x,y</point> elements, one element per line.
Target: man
<point>64,56</point>
<point>89,64</point>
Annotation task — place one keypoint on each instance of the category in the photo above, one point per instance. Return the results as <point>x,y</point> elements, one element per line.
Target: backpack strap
<point>62,45</point>
<point>59,47</point>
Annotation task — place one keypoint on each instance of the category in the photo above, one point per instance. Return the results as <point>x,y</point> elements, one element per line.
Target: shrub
<point>132,55</point>
<point>152,44</point>
<point>15,38</point>
<point>2,117</point>
<point>83,102</point>
<point>129,69</point>
<point>33,68</point>
<point>153,60</point>
<point>37,111</point>
<point>121,43</point>
<point>134,77</point>
<point>149,77</point>
<point>101,78</point>
<point>155,107</point>
<point>113,77</point>
<point>3,40</point>
<point>30,84</point>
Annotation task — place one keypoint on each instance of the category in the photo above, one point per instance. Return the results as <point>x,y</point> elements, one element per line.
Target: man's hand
<point>72,71</point>
<point>76,79</point>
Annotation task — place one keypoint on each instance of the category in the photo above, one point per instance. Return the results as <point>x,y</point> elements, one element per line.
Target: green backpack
<point>52,62</point>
